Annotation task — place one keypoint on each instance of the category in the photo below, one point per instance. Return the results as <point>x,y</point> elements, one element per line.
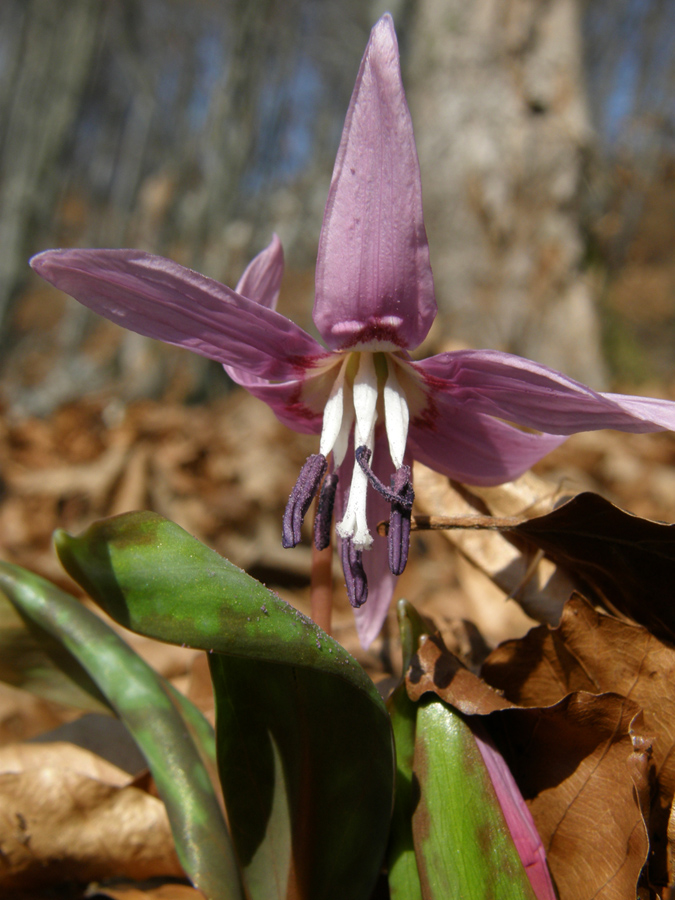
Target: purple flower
<point>374,407</point>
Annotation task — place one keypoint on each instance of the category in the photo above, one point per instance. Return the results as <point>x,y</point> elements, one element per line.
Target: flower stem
<point>321,588</point>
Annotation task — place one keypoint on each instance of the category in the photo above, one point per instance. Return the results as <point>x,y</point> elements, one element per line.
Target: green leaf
<point>139,697</point>
<point>31,659</point>
<point>463,845</point>
<point>304,740</point>
<point>154,578</point>
<point>307,794</point>
<point>404,882</point>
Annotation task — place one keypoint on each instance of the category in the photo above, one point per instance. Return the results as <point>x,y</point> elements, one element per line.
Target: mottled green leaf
<point>463,845</point>
<point>307,790</point>
<point>305,744</point>
<point>139,696</point>
<point>404,883</point>
<point>154,578</point>
<point>31,659</point>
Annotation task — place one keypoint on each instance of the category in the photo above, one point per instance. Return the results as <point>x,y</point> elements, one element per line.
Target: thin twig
<point>448,523</point>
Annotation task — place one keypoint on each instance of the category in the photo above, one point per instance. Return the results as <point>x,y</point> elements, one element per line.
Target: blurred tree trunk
<point>497,96</point>
<point>44,80</point>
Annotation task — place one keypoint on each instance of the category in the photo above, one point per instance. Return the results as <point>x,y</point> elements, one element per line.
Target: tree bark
<point>497,97</point>
<point>48,75</point>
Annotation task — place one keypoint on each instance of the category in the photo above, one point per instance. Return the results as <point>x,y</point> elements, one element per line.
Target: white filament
<point>396,416</point>
<point>365,399</point>
<point>354,524</point>
<point>342,439</point>
<point>333,414</point>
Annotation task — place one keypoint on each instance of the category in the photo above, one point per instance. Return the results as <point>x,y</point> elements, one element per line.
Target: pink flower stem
<point>321,588</point>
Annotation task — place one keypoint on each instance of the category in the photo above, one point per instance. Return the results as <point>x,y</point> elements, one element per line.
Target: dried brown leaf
<point>536,583</point>
<point>594,652</point>
<point>628,562</point>
<point>94,479</point>
<point>105,736</point>
<point>23,716</point>
<point>132,489</point>
<point>22,757</point>
<point>579,762</point>
<point>59,824</point>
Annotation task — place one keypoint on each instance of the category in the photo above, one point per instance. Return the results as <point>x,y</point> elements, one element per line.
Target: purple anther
<point>355,576</point>
<point>398,538</point>
<point>403,497</point>
<point>324,513</point>
<point>302,495</point>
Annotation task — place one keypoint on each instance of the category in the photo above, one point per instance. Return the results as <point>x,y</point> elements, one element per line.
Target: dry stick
<point>321,587</point>
<point>464,523</point>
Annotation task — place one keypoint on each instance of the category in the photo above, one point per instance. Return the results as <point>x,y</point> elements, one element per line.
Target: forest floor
<point>223,472</point>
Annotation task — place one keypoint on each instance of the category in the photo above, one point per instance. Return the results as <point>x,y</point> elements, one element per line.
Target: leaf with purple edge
<point>463,844</point>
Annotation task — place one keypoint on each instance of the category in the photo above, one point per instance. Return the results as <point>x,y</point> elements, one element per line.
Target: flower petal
<point>160,299</point>
<point>531,394</point>
<point>381,583</point>
<point>262,277</point>
<point>287,400</point>
<point>261,282</point>
<point>474,448</point>
<point>373,276</point>
<point>300,402</point>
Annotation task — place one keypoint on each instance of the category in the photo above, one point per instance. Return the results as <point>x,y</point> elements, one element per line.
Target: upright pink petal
<point>262,277</point>
<point>531,394</point>
<point>160,299</point>
<point>261,282</point>
<point>373,276</point>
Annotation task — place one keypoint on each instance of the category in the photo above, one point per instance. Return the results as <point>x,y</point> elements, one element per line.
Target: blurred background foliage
<point>196,128</point>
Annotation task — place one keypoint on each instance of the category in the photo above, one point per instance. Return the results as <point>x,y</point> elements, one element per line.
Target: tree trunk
<point>497,98</point>
<point>48,74</point>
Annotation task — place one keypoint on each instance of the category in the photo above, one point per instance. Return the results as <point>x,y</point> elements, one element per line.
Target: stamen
<point>355,576</point>
<point>354,524</point>
<point>324,512</point>
<point>396,416</point>
<point>301,497</point>
<point>391,495</point>
<point>365,398</point>
<point>398,539</point>
<point>401,496</point>
<point>333,413</point>
<point>342,439</point>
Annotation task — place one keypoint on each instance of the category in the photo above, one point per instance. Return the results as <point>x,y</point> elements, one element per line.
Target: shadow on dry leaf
<point>627,561</point>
